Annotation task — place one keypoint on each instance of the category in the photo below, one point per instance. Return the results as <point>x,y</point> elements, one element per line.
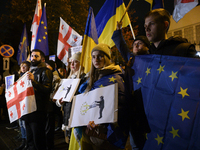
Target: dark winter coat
<point>42,85</point>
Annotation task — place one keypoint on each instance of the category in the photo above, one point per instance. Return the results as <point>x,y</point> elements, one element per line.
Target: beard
<point>35,63</point>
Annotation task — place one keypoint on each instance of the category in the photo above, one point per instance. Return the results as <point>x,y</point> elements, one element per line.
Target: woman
<point>74,73</point>
<point>101,71</point>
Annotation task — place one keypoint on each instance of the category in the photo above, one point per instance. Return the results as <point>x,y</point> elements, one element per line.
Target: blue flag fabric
<point>157,4</point>
<point>170,89</point>
<point>23,47</point>
<point>42,36</point>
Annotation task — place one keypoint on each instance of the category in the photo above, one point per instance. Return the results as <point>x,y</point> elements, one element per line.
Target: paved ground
<point>7,141</point>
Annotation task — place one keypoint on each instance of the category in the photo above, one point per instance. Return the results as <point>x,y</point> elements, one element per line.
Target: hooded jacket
<point>175,46</point>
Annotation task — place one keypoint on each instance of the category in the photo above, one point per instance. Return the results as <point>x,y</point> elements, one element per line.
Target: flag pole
<point>126,10</point>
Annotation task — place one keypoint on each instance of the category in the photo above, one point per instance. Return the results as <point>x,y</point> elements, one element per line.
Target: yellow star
<point>184,114</point>
<point>45,27</point>
<point>42,22</point>
<point>159,139</point>
<point>44,37</point>
<point>112,79</point>
<point>148,71</point>
<point>139,80</point>
<point>183,92</point>
<point>173,75</point>
<point>161,69</point>
<point>174,132</point>
<point>39,40</point>
<point>101,86</point>
<point>45,33</point>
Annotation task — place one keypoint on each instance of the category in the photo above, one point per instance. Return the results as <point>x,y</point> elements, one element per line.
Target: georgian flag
<point>67,38</point>
<point>182,7</point>
<point>35,23</point>
<point>20,98</point>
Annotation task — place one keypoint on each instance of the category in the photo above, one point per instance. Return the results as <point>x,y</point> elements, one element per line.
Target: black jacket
<point>175,46</point>
<point>42,85</point>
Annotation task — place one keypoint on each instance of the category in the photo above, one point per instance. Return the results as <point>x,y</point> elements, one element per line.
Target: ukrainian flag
<point>90,40</point>
<point>106,20</point>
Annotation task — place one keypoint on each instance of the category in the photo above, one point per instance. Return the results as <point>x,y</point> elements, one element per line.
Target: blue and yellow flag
<point>171,94</point>
<point>156,4</point>
<point>42,36</point>
<point>90,40</point>
<point>23,47</point>
<point>106,20</point>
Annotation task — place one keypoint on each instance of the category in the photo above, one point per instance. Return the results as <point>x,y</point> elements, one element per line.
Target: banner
<point>20,98</point>
<point>99,105</point>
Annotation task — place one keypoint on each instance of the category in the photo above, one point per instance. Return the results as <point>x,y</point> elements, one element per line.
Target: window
<point>178,33</point>
<point>198,34</point>
<point>188,34</point>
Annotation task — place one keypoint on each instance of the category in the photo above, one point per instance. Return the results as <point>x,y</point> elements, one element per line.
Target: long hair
<point>94,75</point>
<point>78,73</point>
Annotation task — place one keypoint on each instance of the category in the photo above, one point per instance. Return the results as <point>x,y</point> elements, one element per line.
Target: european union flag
<point>42,36</point>
<point>170,89</point>
<point>23,47</point>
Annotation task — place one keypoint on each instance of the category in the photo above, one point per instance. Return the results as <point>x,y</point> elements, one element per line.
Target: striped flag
<point>35,23</point>
<point>20,98</point>
<point>106,20</point>
<point>90,40</point>
<point>67,38</point>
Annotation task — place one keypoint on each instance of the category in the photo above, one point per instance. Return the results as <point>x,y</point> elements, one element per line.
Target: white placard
<point>99,105</point>
<point>67,89</point>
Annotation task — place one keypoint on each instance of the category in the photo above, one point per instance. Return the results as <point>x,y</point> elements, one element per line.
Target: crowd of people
<point>37,128</point>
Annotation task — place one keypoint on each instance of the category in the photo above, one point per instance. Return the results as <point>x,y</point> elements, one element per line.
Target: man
<point>41,78</point>
<point>157,23</point>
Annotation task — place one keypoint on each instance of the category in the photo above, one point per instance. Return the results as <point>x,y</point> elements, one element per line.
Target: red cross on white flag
<point>20,98</point>
<point>67,38</point>
<point>35,23</point>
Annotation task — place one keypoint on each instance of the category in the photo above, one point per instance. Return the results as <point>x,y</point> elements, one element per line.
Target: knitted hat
<point>103,48</point>
<point>143,39</point>
<point>76,56</point>
<point>51,63</point>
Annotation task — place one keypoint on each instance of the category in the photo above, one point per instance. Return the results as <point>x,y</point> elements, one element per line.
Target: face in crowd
<point>24,68</point>
<point>98,59</point>
<point>74,65</point>
<point>35,58</point>
<point>139,47</point>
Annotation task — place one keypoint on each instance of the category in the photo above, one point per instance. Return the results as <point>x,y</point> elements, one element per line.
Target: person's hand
<point>61,101</point>
<point>119,25</point>
<point>30,76</point>
<point>54,100</point>
<point>129,62</point>
<point>91,125</point>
